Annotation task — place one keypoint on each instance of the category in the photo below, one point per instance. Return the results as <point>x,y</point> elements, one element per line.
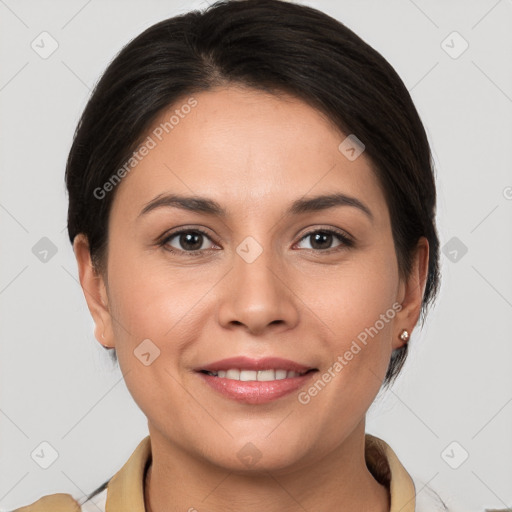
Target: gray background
<point>58,385</point>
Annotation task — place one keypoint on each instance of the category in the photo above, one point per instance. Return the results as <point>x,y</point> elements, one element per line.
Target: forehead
<point>246,149</point>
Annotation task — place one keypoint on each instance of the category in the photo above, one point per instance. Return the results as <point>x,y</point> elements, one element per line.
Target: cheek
<point>164,305</point>
<point>353,298</point>
<point>357,325</point>
<point>148,297</point>
<point>357,308</point>
<point>150,314</point>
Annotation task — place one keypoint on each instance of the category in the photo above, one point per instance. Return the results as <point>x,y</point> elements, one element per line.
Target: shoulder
<point>128,477</point>
<point>97,503</point>
<point>427,500</point>
<point>66,503</point>
<point>408,493</point>
<point>52,503</point>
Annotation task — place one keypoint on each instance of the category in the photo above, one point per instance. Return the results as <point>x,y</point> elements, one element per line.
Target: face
<point>188,287</point>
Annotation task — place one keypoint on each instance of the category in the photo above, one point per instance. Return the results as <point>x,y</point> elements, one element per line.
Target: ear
<point>411,293</point>
<point>95,292</point>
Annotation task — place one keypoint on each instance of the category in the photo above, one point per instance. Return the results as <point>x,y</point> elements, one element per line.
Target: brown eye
<point>321,240</point>
<point>186,241</point>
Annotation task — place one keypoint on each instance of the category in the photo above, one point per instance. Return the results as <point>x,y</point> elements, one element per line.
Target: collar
<point>125,490</point>
<point>388,470</point>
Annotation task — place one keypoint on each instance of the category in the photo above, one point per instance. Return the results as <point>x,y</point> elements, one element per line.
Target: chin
<point>251,456</point>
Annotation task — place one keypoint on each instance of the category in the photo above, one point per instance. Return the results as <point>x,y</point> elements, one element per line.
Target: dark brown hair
<point>269,45</point>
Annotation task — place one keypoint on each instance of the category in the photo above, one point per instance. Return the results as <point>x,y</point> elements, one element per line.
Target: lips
<point>255,381</point>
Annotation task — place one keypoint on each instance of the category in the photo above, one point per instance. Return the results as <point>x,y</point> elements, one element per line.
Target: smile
<point>255,381</point>
<point>253,375</point>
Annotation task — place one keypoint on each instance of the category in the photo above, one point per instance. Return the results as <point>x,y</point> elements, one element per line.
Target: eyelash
<point>346,242</point>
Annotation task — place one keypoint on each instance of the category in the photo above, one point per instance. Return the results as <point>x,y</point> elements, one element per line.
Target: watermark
<point>454,44</point>
<point>249,249</point>
<point>44,250</point>
<point>44,45</point>
<point>249,455</point>
<point>146,352</point>
<point>44,455</point>
<point>145,147</point>
<point>455,455</point>
<point>304,397</point>
<point>454,249</point>
<point>351,147</point>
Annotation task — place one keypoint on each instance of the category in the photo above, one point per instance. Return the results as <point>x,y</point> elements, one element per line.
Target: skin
<point>254,153</point>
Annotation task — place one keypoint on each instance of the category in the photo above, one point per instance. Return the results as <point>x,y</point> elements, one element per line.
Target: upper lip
<point>248,363</point>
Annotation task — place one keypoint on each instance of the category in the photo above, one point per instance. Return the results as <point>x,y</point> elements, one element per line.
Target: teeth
<point>246,375</point>
<point>253,375</point>
<point>233,374</point>
<point>266,375</point>
<point>280,374</point>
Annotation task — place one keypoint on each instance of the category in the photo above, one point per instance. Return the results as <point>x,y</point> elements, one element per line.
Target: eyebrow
<point>207,206</point>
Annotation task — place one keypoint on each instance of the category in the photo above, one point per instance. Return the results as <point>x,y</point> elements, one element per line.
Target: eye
<point>186,240</point>
<point>321,240</point>
<point>192,241</point>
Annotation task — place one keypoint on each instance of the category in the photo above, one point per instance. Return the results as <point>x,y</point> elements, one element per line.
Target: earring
<point>404,335</point>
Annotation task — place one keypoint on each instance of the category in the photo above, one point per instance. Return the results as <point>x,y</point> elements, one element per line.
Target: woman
<point>252,209</point>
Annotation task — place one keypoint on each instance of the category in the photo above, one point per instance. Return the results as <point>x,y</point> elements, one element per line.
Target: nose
<point>257,296</point>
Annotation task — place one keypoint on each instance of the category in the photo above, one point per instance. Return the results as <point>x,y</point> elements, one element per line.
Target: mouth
<point>255,381</point>
<point>245,375</point>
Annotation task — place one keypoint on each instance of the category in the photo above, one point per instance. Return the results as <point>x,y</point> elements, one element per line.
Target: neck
<point>177,481</point>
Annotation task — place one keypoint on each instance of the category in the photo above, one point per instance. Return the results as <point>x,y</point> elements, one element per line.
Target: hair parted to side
<point>274,46</point>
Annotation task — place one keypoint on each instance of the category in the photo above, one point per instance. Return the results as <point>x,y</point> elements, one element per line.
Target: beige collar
<point>126,487</point>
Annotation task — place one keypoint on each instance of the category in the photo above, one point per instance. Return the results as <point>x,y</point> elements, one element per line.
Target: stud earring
<point>404,335</point>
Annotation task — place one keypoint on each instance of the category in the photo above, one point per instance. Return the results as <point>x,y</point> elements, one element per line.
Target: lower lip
<point>255,392</point>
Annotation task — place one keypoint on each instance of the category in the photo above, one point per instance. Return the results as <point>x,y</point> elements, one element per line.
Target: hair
<point>273,46</point>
